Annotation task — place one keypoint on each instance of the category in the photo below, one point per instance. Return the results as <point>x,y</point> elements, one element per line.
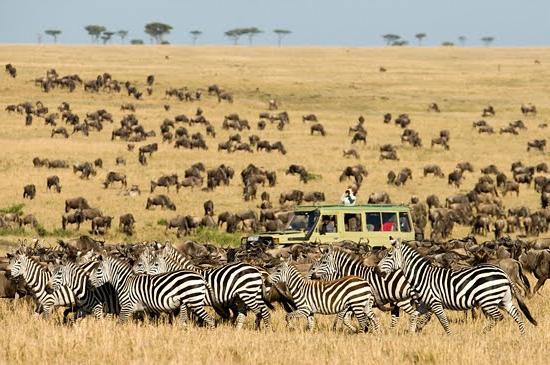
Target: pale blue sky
<point>313,22</point>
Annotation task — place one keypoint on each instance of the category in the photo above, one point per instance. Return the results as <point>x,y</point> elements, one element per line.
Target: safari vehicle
<point>372,223</point>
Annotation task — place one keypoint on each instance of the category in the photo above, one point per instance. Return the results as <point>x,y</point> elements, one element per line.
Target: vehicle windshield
<point>303,221</point>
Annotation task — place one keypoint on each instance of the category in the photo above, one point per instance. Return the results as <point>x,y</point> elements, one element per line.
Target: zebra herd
<point>163,280</point>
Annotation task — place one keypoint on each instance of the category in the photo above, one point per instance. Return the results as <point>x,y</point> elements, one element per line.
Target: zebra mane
<point>337,251</point>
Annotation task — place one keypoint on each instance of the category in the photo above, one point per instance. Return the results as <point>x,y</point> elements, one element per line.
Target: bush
<point>41,231</point>
<point>219,238</point>
<point>162,222</point>
<point>15,209</point>
<point>12,231</point>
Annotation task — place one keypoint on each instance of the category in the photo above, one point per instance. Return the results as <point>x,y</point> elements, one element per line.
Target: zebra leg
<point>493,315</point>
<point>437,308</point>
<point>295,314</point>
<point>394,315</point>
<point>512,310</point>
<point>407,306</point>
<point>310,322</point>
<point>422,321</point>
<point>347,320</point>
<point>183,314</point>
<point>257,306</point>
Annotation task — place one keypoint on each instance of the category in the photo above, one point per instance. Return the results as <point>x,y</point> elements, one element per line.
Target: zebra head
<point>324,268</point>
<point>394,258</point>
<point>103,273</point>
<point>143,263</point>
<point>281,273</point>
<point>17,265</point>
<point>57,278</point>
<point>158,264</point>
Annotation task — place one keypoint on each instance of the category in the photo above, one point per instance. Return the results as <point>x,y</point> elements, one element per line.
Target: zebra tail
<point>522,305</point>
<point>265,297</point>
<point>524,279</point>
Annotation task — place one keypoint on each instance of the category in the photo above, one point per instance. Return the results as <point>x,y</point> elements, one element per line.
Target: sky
<point>312,22</point>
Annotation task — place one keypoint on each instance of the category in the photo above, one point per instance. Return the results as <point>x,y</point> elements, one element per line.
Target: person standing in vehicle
<point>348,198</point>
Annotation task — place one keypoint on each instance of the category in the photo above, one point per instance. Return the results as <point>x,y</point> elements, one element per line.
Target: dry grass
<point>338,85</point>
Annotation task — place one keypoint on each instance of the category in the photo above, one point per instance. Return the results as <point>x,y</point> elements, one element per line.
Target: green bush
<point>162,222</point>
<point>15,209</point>
<point>214,236</point>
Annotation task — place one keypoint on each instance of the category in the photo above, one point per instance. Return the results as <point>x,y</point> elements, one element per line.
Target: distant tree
<point>95,31</point>
<point>235,34</point>
<point>122,34</point>
<point>420,36</point>
<point>447,44</point>
<point>487,40</point>
<point>195,34</point>
<point>137,41</point>
<point>390,38</point>
<point>164,43</point>
<point>400,42</point>
<point>251,33</point>
<point>106,36</point>
<point>462,39</point>
<point>53,33</point>
<point>281,33</point>
<point>157,30</point>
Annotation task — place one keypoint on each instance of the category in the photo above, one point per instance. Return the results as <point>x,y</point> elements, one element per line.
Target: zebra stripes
<point>99,300</point>
<point>393,288</point>
<point>37,278</point>
<point>181,290</point>
<point>238,286</point>
<point>486,286</point>
<point>349,293</point>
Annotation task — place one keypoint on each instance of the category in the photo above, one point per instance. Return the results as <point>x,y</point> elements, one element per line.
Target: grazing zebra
<point>237,286</point>
<point>168,292</point>
<point>36,278</point>
<point>486,286</point>
<point>349,293</point>
<point>103,299</point>
<point>393,288</point>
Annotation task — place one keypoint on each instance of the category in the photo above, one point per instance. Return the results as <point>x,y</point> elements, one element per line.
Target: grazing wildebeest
<point>465,166</point>
<point>29,191</point>
<point>57,164</point>
<point>318,127</point>
<point>488,111</point>
<point>60,130</point>
<point>433,169</point>
<point>387,118</point>
<point>101,224</point>
<point>359,136</point>
<point>165,181</point>
<point>28,220</point>
<point>314,196</point>
<point>380,197</point>
<point>538,144</point>
<point>279,147</point>
<point>403,120</point>
<point>76,203</point>
<point>309,118</point>
<point>126,223</point>
<point>292,196</point>
<point>72,218</point>
<point>510,186</point>
<point>11,70</point>
<point>486,130</point>
<point>442,141</point>
<point>491,169</point>
<point>98,163</point>
<point>455,178</point>
<point>112,177</point>
<point>53,181</point>
<point>150,148</point>
<point>249,192</point>
<point>161,200</point>
<point>351,153</point>
<point>433,107</point>
<point>527,109</point>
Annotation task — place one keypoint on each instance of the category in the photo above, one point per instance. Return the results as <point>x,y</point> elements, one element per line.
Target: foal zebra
<point>166,292</point>
<point>486,286</point>
<point>233,285</point>
<point>37,278</point>
<point>393,288</point>
<point>99,300</point>
<point>349,293</point>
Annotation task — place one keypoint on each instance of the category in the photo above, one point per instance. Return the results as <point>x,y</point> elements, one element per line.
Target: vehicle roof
<point>341,207</point>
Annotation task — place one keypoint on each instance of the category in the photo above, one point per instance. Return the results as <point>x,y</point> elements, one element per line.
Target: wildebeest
<point>359,136</point>
<point>296,196</point>
<point>538,144</point>
<point>11,70</point>
<point>165,181</point>
<point>314,196</point>
<point>162,200</point>
<point>433,169</point>
<point>488,111</point>
<point>29,191</point>
<point>60,130</point>
<point>72,218</point>
<point>380,197</point>
<point>527,109</point>
<point>537,262</point>
<point>208,207</point>
<point>76,203</point>
<point>126,223</point>
<point>150,148</point>
<point>352,152</point>
<point>309,118</point>
<point>114,176</point>
<point>455,178</point>
<point>465,166</point>
<point>318,127</point>
<point>101,224</point>
<point>53,181</point>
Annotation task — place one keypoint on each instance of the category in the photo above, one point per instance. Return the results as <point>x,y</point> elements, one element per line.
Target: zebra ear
<point>9,255</point>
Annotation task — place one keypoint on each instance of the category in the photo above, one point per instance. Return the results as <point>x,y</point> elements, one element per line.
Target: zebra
<point>103,299</point>
<point>36,278</point>
<point>183,289</point>
<point>237,286</point>
<point>486,286</point>
<point>393,288</point>
<point>349,293</point>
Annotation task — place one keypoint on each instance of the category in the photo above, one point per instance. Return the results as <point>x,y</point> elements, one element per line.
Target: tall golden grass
<point>338,84</point>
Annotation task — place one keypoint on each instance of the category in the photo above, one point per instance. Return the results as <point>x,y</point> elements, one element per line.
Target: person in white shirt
<point>348,198</point>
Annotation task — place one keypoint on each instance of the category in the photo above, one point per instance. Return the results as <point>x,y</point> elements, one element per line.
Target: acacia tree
<point>157,30</point>
<point>122,34</point>
<point>235,34</point>
<point>53,33</point>
<point>106,37</point>
<point>281,33</point>
<point>95,31</point>
<point>195,34</point>
<point>462,40</point>
<point>251,33</point>
<point>487,40</point>
<point>390,38</point>
<point>420,36</point>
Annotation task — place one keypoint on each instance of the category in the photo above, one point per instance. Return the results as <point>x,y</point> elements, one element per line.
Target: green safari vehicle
<point>372,223</point>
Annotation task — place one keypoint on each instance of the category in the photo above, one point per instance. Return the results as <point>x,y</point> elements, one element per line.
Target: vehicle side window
<point>328,224</point>
<point>389,222</point>
<point>373,222</point>
<point>352,222</point>
<point>404,222</point>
